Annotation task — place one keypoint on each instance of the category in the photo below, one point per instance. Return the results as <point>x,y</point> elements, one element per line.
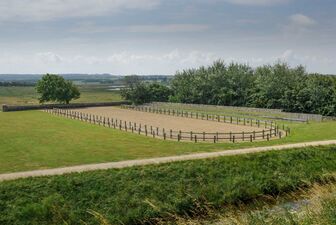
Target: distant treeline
<point>269,86</point>
<point>16,84</point>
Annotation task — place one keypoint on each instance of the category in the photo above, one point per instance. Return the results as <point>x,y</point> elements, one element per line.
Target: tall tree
<point>55,88</point>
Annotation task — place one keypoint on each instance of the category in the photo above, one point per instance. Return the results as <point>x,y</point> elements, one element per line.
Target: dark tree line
<point>270,86</point>
<point>16,84</point>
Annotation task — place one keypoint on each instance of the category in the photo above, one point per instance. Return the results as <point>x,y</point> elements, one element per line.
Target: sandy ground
<point>160,160</point>
<point>167,122</point>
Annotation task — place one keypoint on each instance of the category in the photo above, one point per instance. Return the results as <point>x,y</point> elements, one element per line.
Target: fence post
<point>251,138</point>
<point>164,136</point>
<point>268,137</point>
<point>233,139</point>
<point>214,139</point>
<point>195,138</point>
<point>191,135</point>
<point>203,136</point>
<point>171,134</point>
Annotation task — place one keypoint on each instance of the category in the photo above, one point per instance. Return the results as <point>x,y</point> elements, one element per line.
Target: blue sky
<point>163,36</point>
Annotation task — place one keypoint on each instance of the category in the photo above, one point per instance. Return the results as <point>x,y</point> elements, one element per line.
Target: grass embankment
<point>135,195</point>
<point>28,95</point>
<point>37,140</point>
<point>315,205</point>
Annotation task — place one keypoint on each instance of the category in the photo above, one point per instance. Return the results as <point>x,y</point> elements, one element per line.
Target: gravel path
<point>140,162</point>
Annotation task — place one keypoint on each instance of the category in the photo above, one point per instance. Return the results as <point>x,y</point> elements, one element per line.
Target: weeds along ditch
<point>146,194</point>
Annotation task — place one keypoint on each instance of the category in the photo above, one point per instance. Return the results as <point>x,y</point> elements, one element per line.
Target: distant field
<point>35,140</point>
<point>153,193</point>
<point>28,95</point>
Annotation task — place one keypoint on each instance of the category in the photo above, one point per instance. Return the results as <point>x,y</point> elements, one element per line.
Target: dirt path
<point>140,162</point>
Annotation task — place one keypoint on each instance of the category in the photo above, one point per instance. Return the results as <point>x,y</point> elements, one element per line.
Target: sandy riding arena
<point>167,122</point>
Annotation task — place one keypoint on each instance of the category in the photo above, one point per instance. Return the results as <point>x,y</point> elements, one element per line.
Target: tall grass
<point>151,193</point>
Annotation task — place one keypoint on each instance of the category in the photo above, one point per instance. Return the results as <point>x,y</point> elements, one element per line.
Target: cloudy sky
<point>163,36</point>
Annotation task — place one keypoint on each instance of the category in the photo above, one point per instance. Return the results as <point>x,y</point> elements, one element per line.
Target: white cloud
<point>298,26</point>
<point>301,20</point>
<point>42,10</point>
<point>150,63</point>
<point>167,28</point>
<point>257,2</point>
<point>286,55</point>
<point>49,57</point>
<point>160,28</point>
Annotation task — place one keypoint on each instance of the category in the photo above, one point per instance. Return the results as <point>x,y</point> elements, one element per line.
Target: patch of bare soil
<point>167,122</point>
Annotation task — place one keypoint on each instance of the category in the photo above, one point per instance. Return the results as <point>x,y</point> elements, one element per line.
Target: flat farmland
<point>167,122</point>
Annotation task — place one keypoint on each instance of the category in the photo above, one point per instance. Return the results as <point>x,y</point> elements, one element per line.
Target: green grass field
<point>141,194</point>
<point>35,140</point>
<point>28,95</point>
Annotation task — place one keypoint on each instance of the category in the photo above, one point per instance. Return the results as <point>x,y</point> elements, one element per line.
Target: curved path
<point>140,162</point>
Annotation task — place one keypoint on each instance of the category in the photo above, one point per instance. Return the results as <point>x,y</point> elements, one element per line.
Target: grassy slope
<point>315,205</point>
<point>142,193</point>
<point>34,140</point>
<point>28,95</point>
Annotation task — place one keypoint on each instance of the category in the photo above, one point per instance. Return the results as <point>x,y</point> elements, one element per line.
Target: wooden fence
<point>161,133</point>
<point>283,115</point>
<point>204,116</point>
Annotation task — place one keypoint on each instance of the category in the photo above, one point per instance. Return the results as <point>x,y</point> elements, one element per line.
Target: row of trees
<point>269,86</point>
<point>140,92</point>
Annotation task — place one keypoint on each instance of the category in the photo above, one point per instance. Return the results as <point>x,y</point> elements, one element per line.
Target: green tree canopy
<point>270,86</point>
<point>141,92</point>
<point>54,88</point>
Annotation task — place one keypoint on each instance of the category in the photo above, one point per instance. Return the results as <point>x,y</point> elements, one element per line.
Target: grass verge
<point>151,193</point>
<point>37,140</point>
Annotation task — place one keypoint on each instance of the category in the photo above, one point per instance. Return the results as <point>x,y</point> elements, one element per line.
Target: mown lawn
<point>36,140</point>
<point>139,194</point>
<point>28,95</point>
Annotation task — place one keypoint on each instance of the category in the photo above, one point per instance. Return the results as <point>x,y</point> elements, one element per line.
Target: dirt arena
<point>167,122</point>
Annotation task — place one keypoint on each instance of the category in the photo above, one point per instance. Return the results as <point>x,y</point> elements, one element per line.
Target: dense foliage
<point>140,92</point>
<point>135,195</point>
<point>270,86</point>
<point>56,89</point>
